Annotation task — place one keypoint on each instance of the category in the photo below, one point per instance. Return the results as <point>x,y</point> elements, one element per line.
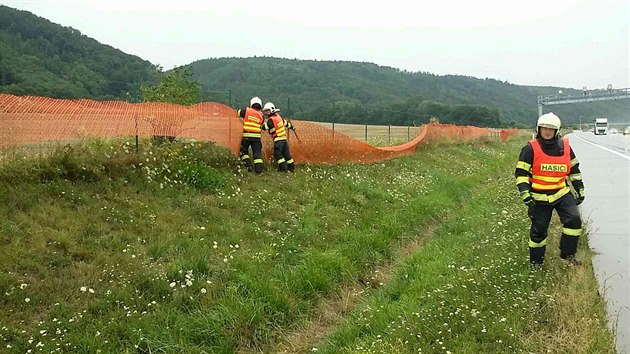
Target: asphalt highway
<point>605,165</point>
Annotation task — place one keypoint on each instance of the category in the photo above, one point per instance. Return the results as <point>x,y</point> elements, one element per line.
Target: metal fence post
<point>333,131</point>
<point>137,142</point>
<point>288,105</point>
<point>366,133</point>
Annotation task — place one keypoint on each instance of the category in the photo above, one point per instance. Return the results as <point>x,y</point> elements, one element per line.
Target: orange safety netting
<point>27,120</point>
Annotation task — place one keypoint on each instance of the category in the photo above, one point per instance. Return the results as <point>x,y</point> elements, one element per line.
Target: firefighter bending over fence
<point>277,127</point>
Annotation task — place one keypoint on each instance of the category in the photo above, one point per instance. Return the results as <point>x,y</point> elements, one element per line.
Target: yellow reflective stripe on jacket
<point>522,179</point>
<point>251,126</point>
<point>571,232</point>
<point>280,138</point>
<point>533,244</point>
<point>251,135</point>
<point>548,187</point>
<point>574,162</point>
<point>539,197</point>
<point>575,177</point>
<point>548,179</point>
<point>524,166</point>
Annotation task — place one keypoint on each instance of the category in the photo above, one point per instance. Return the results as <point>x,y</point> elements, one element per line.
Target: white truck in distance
<point>601,126</point>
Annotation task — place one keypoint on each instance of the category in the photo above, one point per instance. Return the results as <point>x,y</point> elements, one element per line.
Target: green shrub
<point>199,175</point>
<point>193,164</point>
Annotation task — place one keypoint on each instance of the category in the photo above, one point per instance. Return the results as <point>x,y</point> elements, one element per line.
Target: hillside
<point>363,92</point>
<point>175,250</point>
<point>38,57</point>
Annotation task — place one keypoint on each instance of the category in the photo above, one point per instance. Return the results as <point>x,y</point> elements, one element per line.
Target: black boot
<point>537,255</point>
<point>571,258</point>
<point>248,164</point>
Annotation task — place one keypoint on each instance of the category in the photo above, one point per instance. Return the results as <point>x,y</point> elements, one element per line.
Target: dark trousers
<point>283,156</point>
<point>256,146</point>
<point>540,215</point>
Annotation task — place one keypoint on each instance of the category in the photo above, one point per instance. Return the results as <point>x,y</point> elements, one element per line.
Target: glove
<point>580,197</point>
<point>527,198</point>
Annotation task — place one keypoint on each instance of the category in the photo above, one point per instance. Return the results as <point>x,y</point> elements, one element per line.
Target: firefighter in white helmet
<point>277,127</point>
<point>546,169</point>
<point>252,122</point>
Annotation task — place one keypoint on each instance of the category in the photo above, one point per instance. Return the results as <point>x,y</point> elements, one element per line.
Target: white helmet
<point>255,100</point>
<point>270,107</point>
<point>549,120</point>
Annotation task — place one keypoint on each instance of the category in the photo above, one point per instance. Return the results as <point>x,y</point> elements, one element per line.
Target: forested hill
<point>38,57</point>
<point>365,92</point>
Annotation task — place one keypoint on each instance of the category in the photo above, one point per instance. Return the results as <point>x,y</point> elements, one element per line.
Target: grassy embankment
<point>176,250</point>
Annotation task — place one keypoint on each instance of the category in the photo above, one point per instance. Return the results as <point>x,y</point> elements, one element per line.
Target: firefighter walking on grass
<point>277,127</point>
<point>546,169</point>
<point>252,122</point>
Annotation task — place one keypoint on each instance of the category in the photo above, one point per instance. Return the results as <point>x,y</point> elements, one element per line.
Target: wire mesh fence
<point>37,124</point>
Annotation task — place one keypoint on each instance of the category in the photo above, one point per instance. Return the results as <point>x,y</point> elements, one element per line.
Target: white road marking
<point>604,148</point>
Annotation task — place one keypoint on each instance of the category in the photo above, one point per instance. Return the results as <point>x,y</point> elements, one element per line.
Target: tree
<point>175,87</point>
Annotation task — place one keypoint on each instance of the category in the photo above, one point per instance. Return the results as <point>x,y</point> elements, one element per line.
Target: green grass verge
<point>176,249</point>
<point>471,290</point>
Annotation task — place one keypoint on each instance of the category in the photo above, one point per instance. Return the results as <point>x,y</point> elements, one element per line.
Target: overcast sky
<point>567,43</point>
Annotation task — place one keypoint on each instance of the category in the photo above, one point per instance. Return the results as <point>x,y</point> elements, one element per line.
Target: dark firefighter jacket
<point>547,192</point>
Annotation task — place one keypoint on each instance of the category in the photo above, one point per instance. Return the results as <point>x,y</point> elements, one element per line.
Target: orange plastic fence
<point>27,120</point>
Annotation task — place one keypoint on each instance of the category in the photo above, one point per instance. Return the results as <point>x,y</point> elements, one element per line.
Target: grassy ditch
<point>470,290</point>
<point>176,249</point>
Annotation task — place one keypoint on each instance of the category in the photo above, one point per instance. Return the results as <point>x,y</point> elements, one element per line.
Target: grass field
<point>377,135</point>
<point>178,250</point>
<point>383,135</point>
